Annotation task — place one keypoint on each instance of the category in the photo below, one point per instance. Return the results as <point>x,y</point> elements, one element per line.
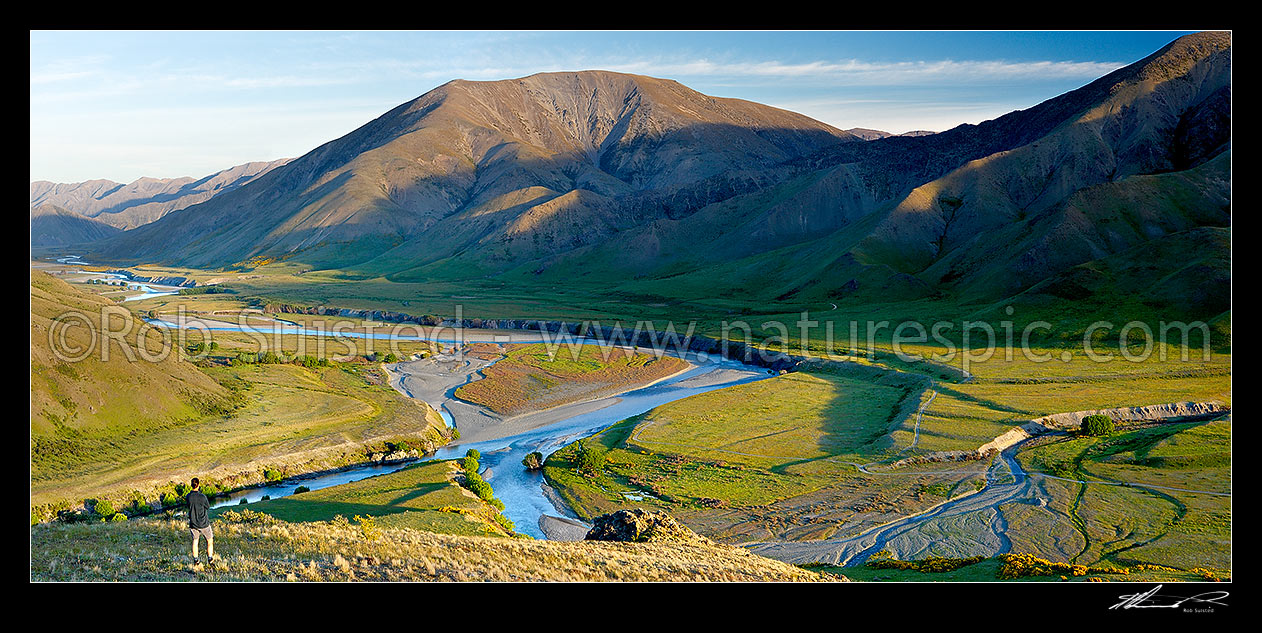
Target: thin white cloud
<point>878,73</point>
<point>53,77</point>
<point>851,71</point>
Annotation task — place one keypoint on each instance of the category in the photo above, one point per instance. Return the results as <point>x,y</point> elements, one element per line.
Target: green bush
<point>311,362</point>
<point>933,564</point>
<point>470,464</point>
<point>301,489</point>
<point>533,461</point>
<point>480,488</point>
<point>138,503</point>
<point>589,458</point>
<point>118,516</point>
<point>473,452</point>
<point>273,474</point>
<point>1097,425</point>
<point>505,523</point>
<point>170,499</point>
<point>205,290</point>
<point>104,508</point>
<point>243,501</point>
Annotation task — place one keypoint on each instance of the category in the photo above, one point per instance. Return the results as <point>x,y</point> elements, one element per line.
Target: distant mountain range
<point>126,206</point>
<point>648,188</point>
<point>872,135</point>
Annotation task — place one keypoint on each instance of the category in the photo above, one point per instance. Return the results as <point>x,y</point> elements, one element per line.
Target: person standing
<point>199,520</point>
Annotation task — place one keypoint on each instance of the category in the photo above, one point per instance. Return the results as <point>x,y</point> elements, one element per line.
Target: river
<point>522,491</point>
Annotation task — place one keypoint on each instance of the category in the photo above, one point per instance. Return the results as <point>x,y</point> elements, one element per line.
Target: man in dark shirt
<point>199,520</point>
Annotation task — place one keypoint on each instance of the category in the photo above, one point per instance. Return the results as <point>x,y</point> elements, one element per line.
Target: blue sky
<point>121,105</point>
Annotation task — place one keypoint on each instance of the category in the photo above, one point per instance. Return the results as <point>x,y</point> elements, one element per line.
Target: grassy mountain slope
<point>106,427</point>
<point>52,225</point>
<point>1149,159</point>
<point>92,394</point>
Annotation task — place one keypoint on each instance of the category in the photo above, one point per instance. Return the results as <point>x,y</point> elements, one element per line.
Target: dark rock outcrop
<point>642,526</point>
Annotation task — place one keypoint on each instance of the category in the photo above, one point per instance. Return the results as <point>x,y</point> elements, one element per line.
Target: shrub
<point>243,501</point>
<point>470,464</point>
<point>533,461</point>
<point>139,506</point>
<point>266,498</point>
<point>246,516</point>
<point>1097,425</point>
<point>368,526</point>
<point>1025,565</point>
<point>933,564</point>
<point>311,362</point>
<point>505,523</point>
<point>480,488</point>
<point>589,458</point>
<point>391,358</point>
<point>118,516</point>
<point>301,489</point>
<point>473,452</point>
<point>273,474</point>
<point>104,508</point>
<point>182,489</point>
<point>170,499</point>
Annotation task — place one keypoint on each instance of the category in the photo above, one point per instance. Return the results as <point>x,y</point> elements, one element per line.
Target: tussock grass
<point>258,548</point>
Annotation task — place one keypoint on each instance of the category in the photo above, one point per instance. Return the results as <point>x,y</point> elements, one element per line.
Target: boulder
<point>642,526</point>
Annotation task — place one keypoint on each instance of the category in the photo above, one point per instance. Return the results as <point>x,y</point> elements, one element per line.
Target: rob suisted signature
<point>1151,600</point>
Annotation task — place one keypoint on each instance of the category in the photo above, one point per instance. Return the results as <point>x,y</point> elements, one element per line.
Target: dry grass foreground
<point>255,547</point>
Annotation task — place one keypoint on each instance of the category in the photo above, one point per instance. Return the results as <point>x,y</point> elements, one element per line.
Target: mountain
<point>52,225</point>
<point>872,135</point>
<point>973,215</point>
<point>470,163</point>
<point>126,206</point>
<point>642,187</point>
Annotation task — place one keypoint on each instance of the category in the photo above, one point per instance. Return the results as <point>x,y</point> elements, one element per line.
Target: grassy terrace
<point>286,417</point>
<point>769,460</point>
<point>993,569</point>
<point>528,379</point>
<point>1132,525</point>
<point>773,458</point>
<point>422,496</point>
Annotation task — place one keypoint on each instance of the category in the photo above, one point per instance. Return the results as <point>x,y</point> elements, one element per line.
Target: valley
<point>449,343</point>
